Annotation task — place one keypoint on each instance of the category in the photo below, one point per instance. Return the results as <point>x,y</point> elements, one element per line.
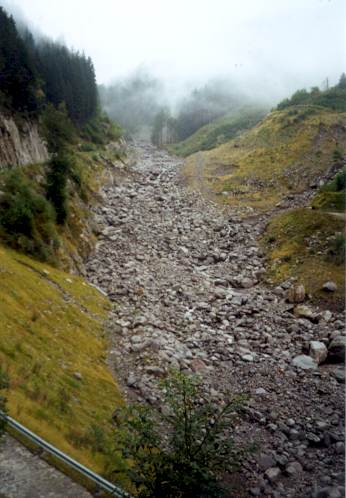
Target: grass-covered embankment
<point>280,156</point>
<point>219,131</point>
<point>310,246</point>
<point>53,348</point>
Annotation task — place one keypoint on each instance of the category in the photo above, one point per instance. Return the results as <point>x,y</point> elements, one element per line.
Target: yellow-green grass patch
<point>53,347</point>
<point>282,155</point>
<point>301,244</point>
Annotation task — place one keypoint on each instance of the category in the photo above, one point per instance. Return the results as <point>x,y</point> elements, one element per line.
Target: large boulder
<point>296,294</point>
<point>329,286</point>
<point>304,362</point>
<point>318,351</point>
<point>303,311</point>
<point>336,348</point>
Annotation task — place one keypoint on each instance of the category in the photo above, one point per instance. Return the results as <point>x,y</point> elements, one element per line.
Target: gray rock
<point>246,283</point>
<point>339,374</point>
<point>265,461</point>
<point>294,468</point>
<point>273,473</point>
<point>329,286</point>
<point>296,294</point>
<point>318,351</point>
<point>131,380</point>
<point>303,311</point>
<point>138,348</point>
<point>248,357</point>
<point>304,362</point>
<point>336,348</point>
<point>154,370</point>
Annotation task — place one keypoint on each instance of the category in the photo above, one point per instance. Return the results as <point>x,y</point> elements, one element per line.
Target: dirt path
<point>187,282</point>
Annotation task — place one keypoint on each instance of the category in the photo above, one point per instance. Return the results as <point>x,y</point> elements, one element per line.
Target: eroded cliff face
<point>20,144</point>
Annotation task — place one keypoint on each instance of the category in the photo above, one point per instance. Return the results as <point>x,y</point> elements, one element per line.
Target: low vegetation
<point>309,243</point>
<point>332,98</point>
<point>44,209</point>
<point>186,458</point>
<point>27,219</point>
<point>331,197</point>
<point>53,350</point>
<point>219,131</point>
<point>281,156</point>
<point>310,246</point>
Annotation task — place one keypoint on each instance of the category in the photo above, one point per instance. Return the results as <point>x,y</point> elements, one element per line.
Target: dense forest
<point>34,72</point>
<point>46,82</point>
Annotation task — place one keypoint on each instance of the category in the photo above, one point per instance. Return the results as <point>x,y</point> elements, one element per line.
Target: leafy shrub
<point>184,459</point>
<point>26,218</point>
<point>87,147</point>
<point>337,184</point>
<point>61,167</point>
<point>337,155</point>
<point>57,128</point>
<point>340,180</point>
<point>101,130</point>
<point>338,249</point>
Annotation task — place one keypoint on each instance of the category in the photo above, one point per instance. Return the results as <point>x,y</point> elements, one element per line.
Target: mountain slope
<point>219,131</point>
<point>281,156</point>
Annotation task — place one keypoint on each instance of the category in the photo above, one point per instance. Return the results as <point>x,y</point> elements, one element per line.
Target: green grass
<point>331,197</point>
<point>219,131</point>
<point>304,243</point>
<point>281,155</point>
<point>51,328</point>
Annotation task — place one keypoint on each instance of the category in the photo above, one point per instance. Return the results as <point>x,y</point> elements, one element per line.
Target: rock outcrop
<point>20,144</point>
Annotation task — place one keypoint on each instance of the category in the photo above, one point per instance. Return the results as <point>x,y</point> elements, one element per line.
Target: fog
<point>266,48</point>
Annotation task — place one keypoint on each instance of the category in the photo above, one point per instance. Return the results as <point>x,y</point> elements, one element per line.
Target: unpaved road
<point>186,278</point>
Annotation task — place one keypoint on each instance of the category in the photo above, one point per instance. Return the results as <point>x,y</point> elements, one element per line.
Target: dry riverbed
<point>187,282</point>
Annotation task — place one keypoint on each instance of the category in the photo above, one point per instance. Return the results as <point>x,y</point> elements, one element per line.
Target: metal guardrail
<point>70,462</point>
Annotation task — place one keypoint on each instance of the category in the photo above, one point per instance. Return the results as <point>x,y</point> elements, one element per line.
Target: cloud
<point>274,45</point>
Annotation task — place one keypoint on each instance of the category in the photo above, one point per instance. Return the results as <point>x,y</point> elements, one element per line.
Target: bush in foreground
<point>181,452</point>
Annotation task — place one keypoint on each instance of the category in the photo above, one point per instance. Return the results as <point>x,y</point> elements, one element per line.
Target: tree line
<point>34,72</point>
<point>333,98</point>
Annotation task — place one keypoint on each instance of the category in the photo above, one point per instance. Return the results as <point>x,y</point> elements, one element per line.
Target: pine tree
<point>18,78</point>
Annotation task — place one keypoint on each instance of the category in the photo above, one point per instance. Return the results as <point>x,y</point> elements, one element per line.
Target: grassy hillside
<point>219,131</point>
<point>310,246</point>
<point>53,348</point>
<point>280,156</point>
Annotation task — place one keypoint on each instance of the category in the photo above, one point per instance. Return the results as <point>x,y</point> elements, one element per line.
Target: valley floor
<point>186,278</point>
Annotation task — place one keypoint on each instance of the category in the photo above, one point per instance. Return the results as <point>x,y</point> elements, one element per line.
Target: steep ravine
<point>186,278</point>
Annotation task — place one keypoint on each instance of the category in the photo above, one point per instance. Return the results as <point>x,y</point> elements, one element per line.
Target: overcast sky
<point>283,44</point>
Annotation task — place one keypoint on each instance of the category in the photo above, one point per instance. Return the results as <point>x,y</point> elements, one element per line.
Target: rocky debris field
<point>187,280</point>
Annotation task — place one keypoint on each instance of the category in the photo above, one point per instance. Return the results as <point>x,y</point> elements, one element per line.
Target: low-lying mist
<point>141,99</point>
